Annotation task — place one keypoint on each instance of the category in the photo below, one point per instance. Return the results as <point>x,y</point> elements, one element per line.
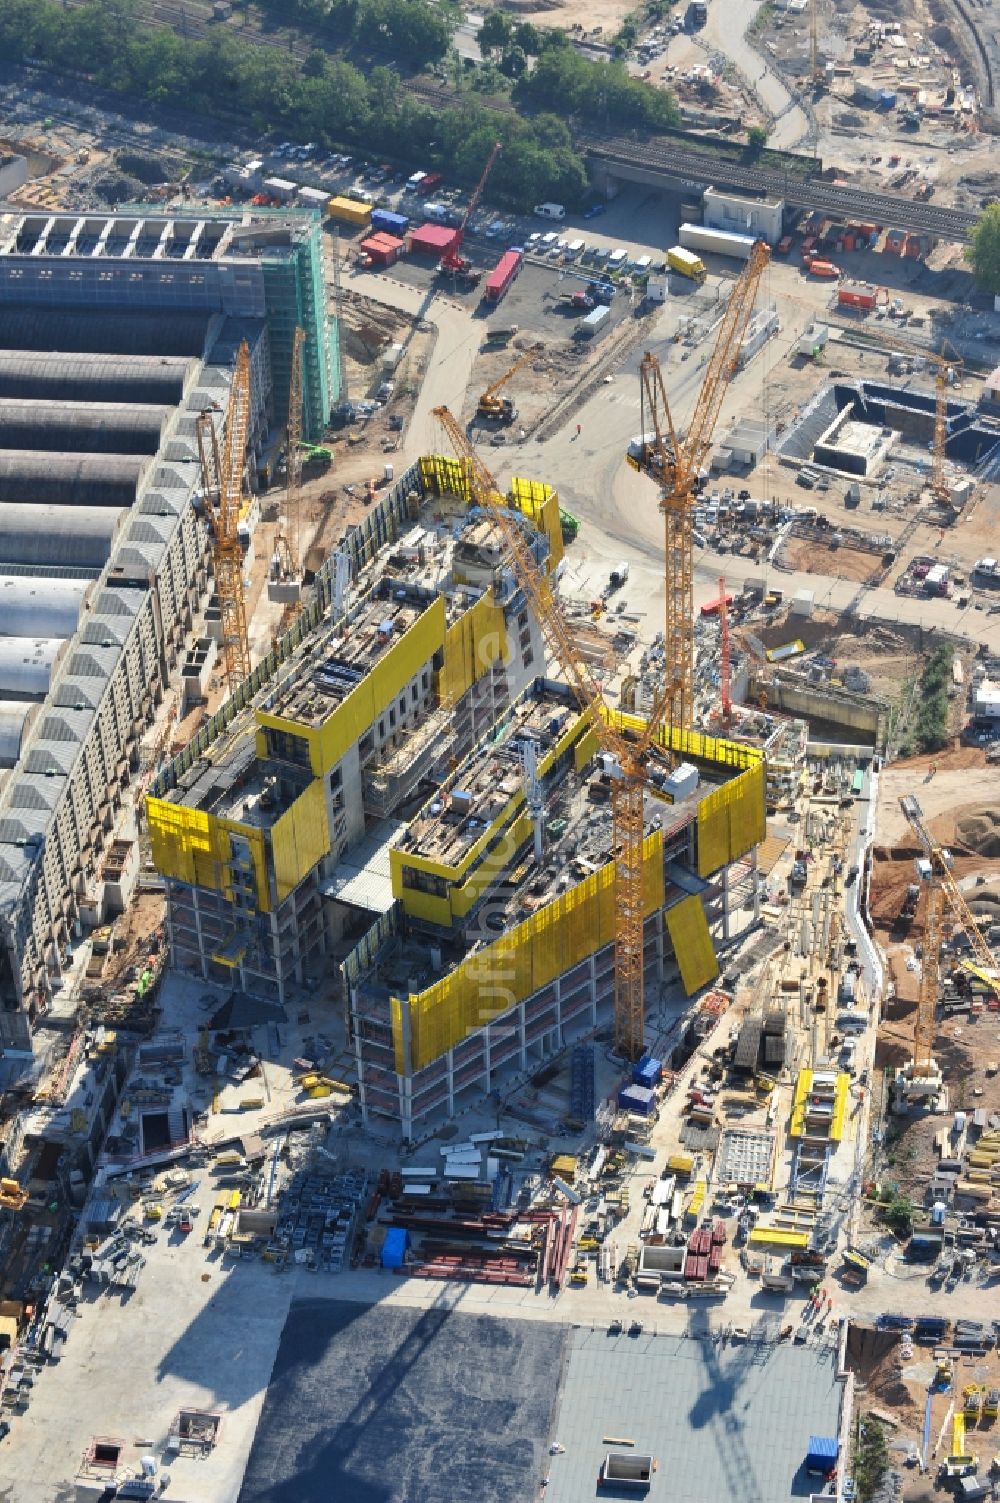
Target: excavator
<point>492,408</point>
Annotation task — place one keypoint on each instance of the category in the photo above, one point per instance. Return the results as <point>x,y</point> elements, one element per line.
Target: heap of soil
<point>978,828</point>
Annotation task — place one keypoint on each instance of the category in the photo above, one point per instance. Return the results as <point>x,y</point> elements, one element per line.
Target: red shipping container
<point>383,249</point>
<point>503,274</point>
<point>432,240</point>
<point>850,295</point>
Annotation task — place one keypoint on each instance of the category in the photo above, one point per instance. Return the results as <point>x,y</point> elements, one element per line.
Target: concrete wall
<point>743,216</point>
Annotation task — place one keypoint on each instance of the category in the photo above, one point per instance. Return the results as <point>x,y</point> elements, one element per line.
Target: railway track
<point>666,159</point>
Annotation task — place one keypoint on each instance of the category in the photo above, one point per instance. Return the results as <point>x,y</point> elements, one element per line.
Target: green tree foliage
<point>325,100</point>
<point>496,34</point>
<point>601,93</point>
<point>932,706</point>
<point>756,139</point>
<point>983,252</point>
<point>871,1458</point>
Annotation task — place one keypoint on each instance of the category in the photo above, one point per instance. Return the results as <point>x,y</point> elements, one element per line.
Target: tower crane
<point>629,750</point>
<point>948,368</point>
<point>675,464</point>
<point>941,870</point>
<point>453,260</point>
<point>222,482</point>
<point>493,409</point>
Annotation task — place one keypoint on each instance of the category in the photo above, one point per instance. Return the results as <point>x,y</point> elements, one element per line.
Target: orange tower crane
<point>222,481</point>
<point>676,465</point>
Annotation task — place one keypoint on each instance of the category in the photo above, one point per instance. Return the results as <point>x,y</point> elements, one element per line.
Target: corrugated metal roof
<point>729,1423</point>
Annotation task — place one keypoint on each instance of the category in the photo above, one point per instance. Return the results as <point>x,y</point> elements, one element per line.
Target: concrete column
<point>659,945</point>
<point>405,1106</point>
<point>593,989</point>
<point>560,1035</point>
<point>450,1068</point>
<point>725,901</point>
<point>523,1033</point>
<point>756,885</point>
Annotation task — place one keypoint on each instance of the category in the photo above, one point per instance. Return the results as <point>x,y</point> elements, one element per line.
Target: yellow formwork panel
<point>189,845</point>
<point>731,820</point>
<point>540,504</point>
<point>300,839</point>
<point>803,1086</point>
<point>531,955</point>
<point>471,646</point>
<point>445,476</point>
<point>840,1096</point>
<point>773,1236</point>
<point>587,747</point>
<point>688,929</point>
<point>377,690</point>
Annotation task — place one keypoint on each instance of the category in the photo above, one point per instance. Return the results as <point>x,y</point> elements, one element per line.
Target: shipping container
<point>699,237</point>
<point>593,323</point>
<point>856,295</point>
<point>686,262</point>
<point>503,274</point>
<point>349,211</point>
<point>382,249</point>
<point>431,181</point>
<point>393,224</point>
<point>432,240</point>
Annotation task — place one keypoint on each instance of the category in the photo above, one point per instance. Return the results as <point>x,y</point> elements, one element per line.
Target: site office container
<point>432,240</point>
<point>503,274</point>
<point>856,295</point>
<point>382,249</point>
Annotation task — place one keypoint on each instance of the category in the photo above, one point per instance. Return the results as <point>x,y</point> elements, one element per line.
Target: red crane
<point>453,260</point>
<point>724,676</point>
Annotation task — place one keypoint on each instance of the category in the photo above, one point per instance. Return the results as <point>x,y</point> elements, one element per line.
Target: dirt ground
<point>945,783</point>
<point>846,563</point>
<point>597,18</point>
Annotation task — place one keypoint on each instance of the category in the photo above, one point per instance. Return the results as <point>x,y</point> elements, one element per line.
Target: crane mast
<point>675,465</point>
<point>222,483</point>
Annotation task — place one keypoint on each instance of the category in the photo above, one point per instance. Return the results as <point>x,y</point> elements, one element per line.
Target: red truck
<point>430,181</point>
<point>503,274</point>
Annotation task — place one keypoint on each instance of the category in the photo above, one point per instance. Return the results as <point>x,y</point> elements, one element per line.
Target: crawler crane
<point>922,1078</point>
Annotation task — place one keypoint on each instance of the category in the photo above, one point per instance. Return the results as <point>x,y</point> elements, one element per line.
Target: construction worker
<point>578,430</point>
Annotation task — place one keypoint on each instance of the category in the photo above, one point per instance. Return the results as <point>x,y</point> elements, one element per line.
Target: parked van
<point>550,211</point>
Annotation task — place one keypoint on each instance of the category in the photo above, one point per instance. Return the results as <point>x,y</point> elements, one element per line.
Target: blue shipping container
<point>887,99</point>
<point>393,224</point>
<point>647,1072</point>
<point>822,1454</point>
<point>638,1099</point>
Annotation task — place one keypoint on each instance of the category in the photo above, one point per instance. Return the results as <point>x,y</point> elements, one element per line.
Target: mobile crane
<point>453,261</point>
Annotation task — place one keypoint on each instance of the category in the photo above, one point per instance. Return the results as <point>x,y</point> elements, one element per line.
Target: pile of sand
<point>978,829</point>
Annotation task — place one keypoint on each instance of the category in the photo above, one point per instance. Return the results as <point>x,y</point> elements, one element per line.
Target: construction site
<point>501,871</point>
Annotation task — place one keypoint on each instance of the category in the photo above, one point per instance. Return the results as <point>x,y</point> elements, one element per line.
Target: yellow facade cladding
<point>692,942</point>
<point>529,956</point>
<point>472,644</point>
<point>797,1124</point>
<point>349,720</point>
<point>189,845</point>
<point>480,866</point>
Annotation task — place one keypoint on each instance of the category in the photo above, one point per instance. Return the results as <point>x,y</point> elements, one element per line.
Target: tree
<point>898,1216</point>
<point>528,37</point>
<point>871,1458</point>
<point>496,33</point>
<point>513,62</point>
<point>756,139</point>
<point>983,252</point>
